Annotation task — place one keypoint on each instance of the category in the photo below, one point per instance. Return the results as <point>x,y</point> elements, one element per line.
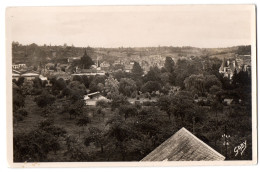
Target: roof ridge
<point>183,128</point>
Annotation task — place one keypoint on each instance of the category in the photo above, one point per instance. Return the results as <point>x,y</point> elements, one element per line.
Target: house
<point>42,78</point>
<point>89,72</point>
<point>228,101</point>
<point>104,65</point>
<point>30,76</point>
<point>72,59</point>
<point>184,146</point>
<point>16,75</point>
<point>246,68</point>
<point>62,75</point>
<point>18,66</point>
<point>15,66</point>
<point>117,62</point>
<point>50,66</point>
<point>228,68</point>
<point>129,67</point>
<point>92,98</point>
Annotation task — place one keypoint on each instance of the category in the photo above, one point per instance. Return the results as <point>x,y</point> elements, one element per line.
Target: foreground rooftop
<point>184,146</point>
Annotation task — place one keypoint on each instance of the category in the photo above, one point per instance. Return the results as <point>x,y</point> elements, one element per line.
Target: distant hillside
<point>36,55</point>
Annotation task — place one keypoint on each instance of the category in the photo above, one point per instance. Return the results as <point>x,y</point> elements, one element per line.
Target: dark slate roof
<point>184,146</point>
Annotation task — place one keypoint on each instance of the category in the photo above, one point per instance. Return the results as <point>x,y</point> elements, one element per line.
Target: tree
<point>27,88</point>
<point>100,87</point>
<point>195,83</point>
<point>85,81</point>
<point>119,74</point>
<point>169,64</point>
<point>216,106</point>
<point>74,151</point>
<point>23,112</point>
<point>76,107</point>
<point>184,69</point>
<point>97,83</point>
<point>44,83</point>
<point>37,83</point>
<point>57,85</point>
<point>241,79</point>
<point>18,98</point>
<point>44,100</point>
<point>82,122</point>
<point>77,78</point>
<point>118,100</point>
<point>122,133</point>
<point>137,71</point>
<point>201,84</point>
<point>151,86</point>
<point>128,110</point>
<point>99,79</point>
<point>19,115</point>
<point>183,104</point>
<point>66,92</point>
<point>150,120</point>
<point>244,50</point>
<point>164,103</point>
<point>35,145</point>
<point>154,74</point>
<point>211,80</point>
<point>118,67</point>
<point>20,81</point>
<point>127,86</point>
<point>111,86</point>
<point>97,137</point>
<point>180,105</point>
<point>86,61</point>
<point>48,126</point>
<point>166,78</point>
<point>101,112</point>
<point>215,89</point>
<point>77,88</point>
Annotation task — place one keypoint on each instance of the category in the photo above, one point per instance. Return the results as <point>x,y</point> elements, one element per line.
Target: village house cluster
<point>100,67</point>
<point>230,66</point>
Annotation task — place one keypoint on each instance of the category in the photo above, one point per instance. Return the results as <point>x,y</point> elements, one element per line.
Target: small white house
<point>92,98</point>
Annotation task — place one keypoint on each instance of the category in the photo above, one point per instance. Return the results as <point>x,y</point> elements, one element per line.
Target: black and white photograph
<point>131,84</point>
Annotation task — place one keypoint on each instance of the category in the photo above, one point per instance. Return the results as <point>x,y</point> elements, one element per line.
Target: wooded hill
<point>34,54</point>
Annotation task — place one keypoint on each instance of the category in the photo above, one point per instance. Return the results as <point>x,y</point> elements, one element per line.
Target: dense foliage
<point>141,110</point>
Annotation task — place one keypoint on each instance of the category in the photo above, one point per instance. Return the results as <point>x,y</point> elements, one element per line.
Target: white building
<point>18,66</point>
<point>16,75</point>
<point>92,98</point>
<point>30,76</point>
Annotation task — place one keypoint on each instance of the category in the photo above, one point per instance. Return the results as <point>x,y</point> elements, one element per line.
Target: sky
<point>201,26</point>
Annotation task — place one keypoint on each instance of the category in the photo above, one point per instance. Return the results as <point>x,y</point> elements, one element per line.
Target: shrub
<point>102,103</point>
<point>17,117</point>
<point>133,95</point>
<point>22,112</point>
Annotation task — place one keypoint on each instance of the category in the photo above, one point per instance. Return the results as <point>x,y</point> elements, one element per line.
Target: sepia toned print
<point>131,85</point>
